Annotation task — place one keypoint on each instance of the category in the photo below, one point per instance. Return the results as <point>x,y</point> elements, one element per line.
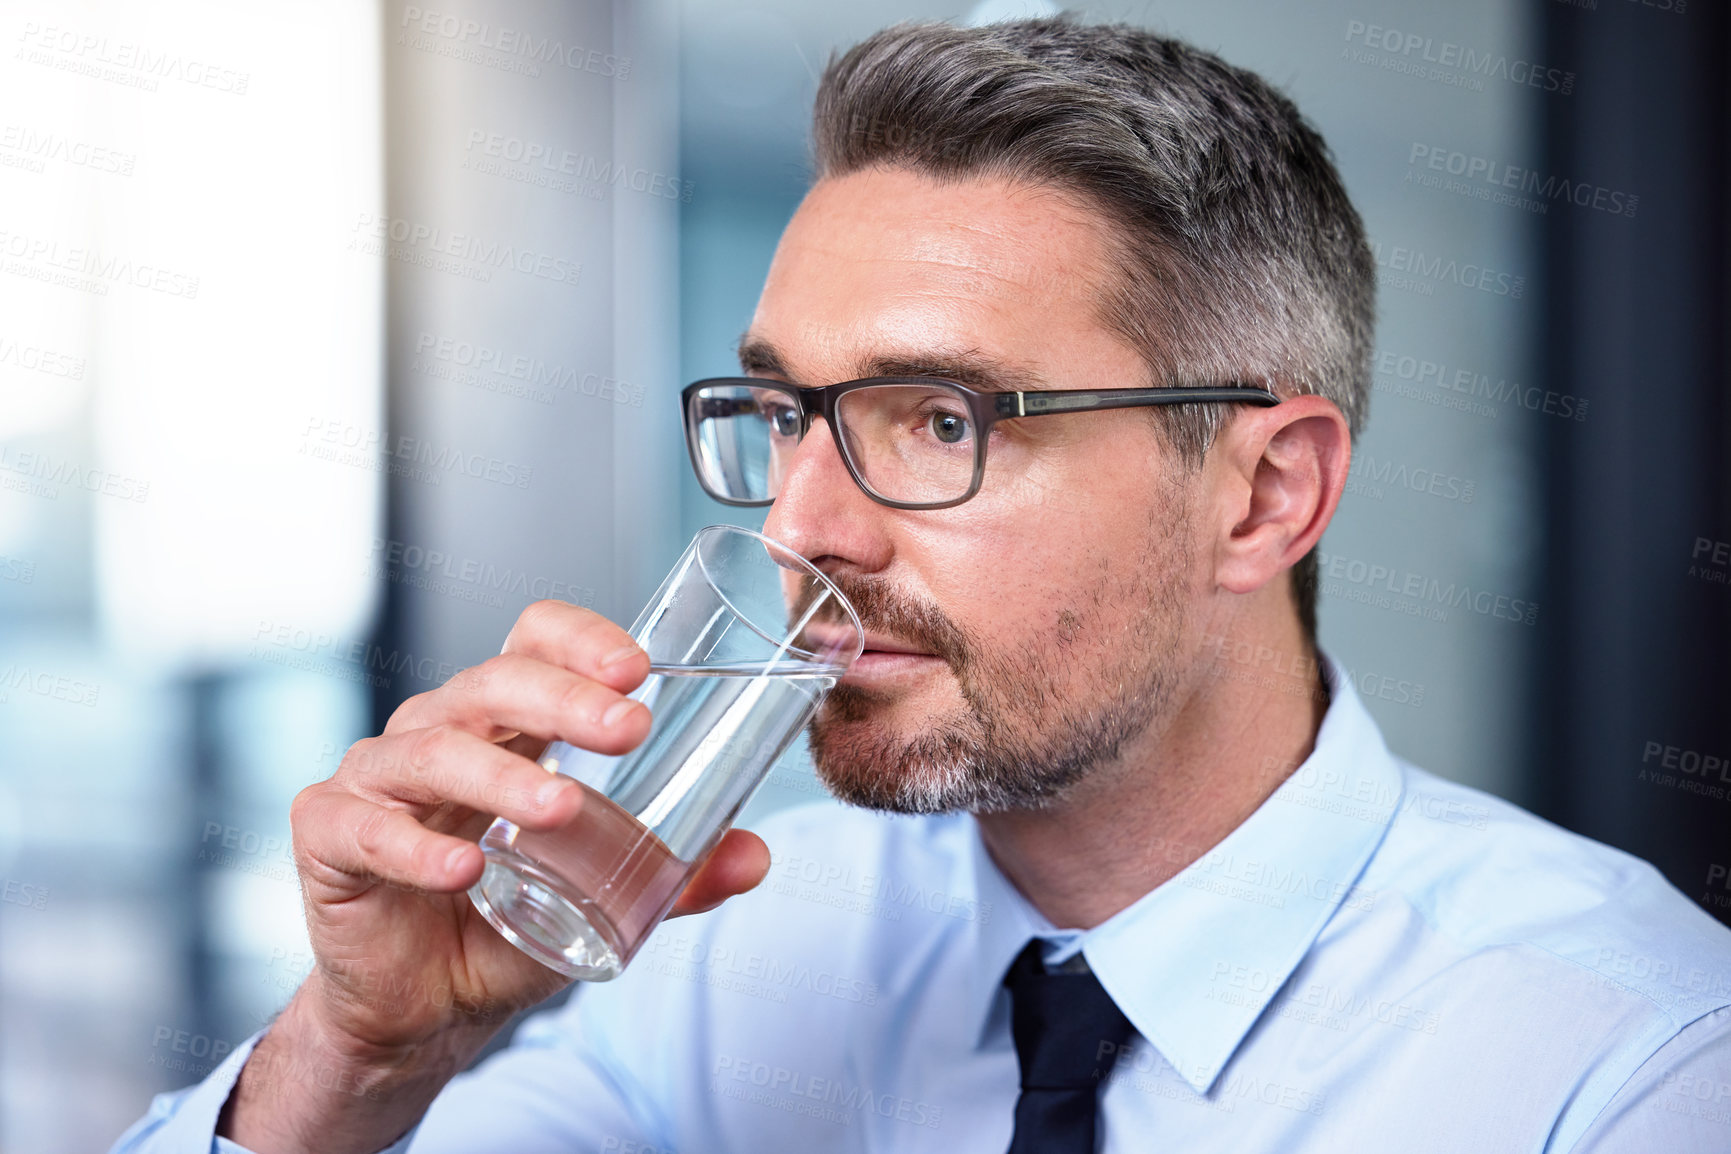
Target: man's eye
<point>784,420</point>
<point>949,428</point>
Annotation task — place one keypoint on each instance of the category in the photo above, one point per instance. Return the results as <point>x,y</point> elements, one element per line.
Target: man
<point>1149,894</point>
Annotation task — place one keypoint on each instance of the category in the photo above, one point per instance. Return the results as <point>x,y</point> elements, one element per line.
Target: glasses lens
<point>744,436</point>
<point>911,443</point>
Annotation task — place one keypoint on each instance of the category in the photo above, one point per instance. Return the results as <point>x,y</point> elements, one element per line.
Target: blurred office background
<point>333,334</point>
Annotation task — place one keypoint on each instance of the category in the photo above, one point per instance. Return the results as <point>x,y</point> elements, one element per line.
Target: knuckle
<point>548,613</point>
<point>311,815</point>
<point>515,788</point>
<point>431,746</point>
<point>361,757</point>
<point>371,832</point>
<point>425,859</point>
<point>584,698</point>
<point>411,705</point>
<point>300,809</point>
<point>473,681</point>
<point>538,611</point>
<point>404,715</point>
<point>604,636</point>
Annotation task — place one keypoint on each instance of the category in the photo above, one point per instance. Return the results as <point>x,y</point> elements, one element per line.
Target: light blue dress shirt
<point>1375,960</point>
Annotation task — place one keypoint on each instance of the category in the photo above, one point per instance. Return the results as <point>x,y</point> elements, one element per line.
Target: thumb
<point>739,862</point>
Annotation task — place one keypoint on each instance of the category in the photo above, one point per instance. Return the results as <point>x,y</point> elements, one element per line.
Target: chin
<point>870,770</point>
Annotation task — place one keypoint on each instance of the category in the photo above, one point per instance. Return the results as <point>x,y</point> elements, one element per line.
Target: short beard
<point>984,761</point>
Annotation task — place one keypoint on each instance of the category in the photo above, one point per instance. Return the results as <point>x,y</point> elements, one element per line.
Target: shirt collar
<point>1194,962</point>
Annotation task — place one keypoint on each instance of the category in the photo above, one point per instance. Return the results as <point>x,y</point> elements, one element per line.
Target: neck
<point>1230,738</point>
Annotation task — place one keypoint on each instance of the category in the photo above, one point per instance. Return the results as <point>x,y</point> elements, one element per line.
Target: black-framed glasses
<point>909,442</point>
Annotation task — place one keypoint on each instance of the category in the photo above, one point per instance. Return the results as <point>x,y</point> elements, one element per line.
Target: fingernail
<point>617,711</point>
<point>454,860</point>
<point>619,655</point>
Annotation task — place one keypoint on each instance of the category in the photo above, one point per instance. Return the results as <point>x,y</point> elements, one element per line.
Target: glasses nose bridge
<point>810,407</point>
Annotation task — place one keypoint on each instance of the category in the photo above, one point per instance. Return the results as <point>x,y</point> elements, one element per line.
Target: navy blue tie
<point>1068,1032</point>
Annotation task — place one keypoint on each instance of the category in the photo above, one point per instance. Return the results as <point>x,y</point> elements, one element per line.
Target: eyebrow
<point>966,367</point>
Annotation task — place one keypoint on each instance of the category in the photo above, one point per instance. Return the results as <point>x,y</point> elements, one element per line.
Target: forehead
<point>893,262</point>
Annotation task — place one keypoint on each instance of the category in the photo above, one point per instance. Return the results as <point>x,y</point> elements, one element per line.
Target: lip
<point>883,660</point>
<point>887,663</point>
<point>821,638</point>
<point>878,643</point>
<point>884,667</point>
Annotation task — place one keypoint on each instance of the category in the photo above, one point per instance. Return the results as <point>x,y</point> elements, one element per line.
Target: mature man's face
<point>1053,601</point>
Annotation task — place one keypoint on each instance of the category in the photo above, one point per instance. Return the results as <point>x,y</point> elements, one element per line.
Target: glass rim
<point>775,549</point>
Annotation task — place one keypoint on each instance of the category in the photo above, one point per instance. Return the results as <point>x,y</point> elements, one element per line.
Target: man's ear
<point>1277,476</point>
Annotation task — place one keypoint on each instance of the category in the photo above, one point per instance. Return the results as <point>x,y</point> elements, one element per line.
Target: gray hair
<point>1238,255</point>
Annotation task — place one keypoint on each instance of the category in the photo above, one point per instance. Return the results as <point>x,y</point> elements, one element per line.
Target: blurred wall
<point>177,301</point>
<point>1635,688</point>
<point>330,337</point>
<point>532,172</point>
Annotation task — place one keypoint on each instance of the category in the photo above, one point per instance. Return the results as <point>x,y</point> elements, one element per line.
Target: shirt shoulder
<point>883,857</point>
<point>934,837</point>
<point>1490,876</point>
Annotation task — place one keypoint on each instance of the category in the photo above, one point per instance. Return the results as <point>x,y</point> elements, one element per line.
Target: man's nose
<point>817,491</point>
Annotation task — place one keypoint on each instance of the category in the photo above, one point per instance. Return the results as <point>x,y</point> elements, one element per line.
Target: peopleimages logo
<point>349,659</point>
<point>786,1088</point>
<point>878,893</point>
<point>757,975</point>
<point>1447,62</point>
<point>466,578</point>
<point>1420,272</point>
<point>543,164</point>
<point>125,62</point>
<point>488,368</point>
<point>464,254</point>
<point>44,683</point>
<point>1430,379</point>
<point>40,360</point>
<point>88,269</point>
<point>343,443</point>
<point>1484,178</point>
<point>1370,476</point>
<point>1391,587</point>
<point>41,474</point>
<point>473,39</point>
<point>22,147</point>
<point>1710,561</point>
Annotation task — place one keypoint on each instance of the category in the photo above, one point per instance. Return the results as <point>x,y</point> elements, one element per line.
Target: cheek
<point>1042,551</point>
<point>989,579</point>
<point>967,578</point>
<point>1095,480</point>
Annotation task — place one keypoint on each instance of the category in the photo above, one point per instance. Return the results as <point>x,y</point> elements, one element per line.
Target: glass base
<point>523,903</point>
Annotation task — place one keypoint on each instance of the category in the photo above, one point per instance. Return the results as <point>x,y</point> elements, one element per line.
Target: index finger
<point>580,640</point>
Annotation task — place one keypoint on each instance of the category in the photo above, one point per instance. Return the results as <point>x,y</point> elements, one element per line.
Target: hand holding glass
<point>745,639</point>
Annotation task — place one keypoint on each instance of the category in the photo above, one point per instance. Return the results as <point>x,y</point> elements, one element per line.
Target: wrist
<point>324,1014</point>
<point>310,1085</point>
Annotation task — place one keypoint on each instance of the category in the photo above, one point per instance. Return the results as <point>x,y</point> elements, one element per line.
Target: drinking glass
<point>745,639</point>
